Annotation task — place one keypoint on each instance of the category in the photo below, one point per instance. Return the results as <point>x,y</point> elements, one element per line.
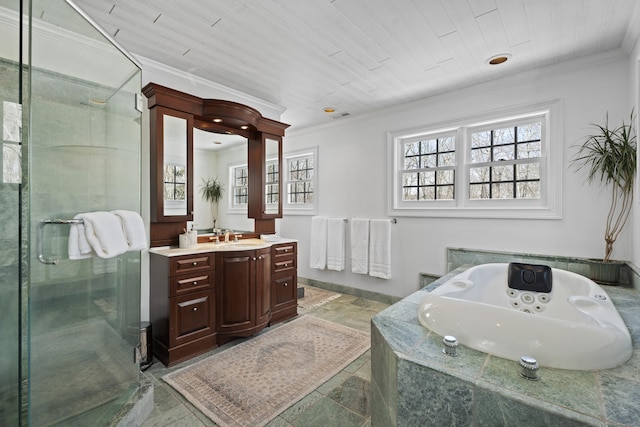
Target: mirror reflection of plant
<point>610,155</point>
<point>211,191</point>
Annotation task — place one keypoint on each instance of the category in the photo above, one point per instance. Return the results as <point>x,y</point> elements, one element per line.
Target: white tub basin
<point>575,326</point>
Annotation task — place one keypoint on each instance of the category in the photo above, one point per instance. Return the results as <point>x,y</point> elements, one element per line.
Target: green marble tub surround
<point>415,383</point>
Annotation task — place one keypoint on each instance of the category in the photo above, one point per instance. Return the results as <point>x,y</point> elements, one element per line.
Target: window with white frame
<point>503,165</point>
<point>300,182</point>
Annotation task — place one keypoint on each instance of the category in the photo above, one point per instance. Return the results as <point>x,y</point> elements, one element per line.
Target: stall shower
<point>71,143</point>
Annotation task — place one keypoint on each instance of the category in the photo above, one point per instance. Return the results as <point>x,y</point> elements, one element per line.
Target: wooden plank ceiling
<point>360,55</point>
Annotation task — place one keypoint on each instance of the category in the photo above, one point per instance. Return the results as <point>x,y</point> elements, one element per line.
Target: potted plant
<point>610,156</point>
<point>211,191</point>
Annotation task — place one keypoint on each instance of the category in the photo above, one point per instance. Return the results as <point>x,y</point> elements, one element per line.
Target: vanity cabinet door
<point>284,291</point>
<point>234,296</point>
<point>243,295</point>
<point>263,286</point>
<point>192,317</point>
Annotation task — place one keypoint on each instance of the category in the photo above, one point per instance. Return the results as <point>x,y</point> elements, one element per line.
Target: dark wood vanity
<point>208,295</point>
<point>202,299</point>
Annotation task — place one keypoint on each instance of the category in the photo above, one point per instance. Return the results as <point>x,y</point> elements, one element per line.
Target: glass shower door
<point>84,156</point>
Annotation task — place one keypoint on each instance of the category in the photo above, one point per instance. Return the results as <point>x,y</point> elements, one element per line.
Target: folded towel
<point>103,231</point>
<point>78,246</point>
<point>360,245</point>
<point>133,228</point>
<point>335,244</point>
<point>318,250</point>
<point>380,248</point>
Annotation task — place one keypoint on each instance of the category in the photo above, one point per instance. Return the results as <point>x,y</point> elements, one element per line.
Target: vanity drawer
<point>191,263</point>
<point>284,264</point>
<point>186,283</point>
<point>284,250</point>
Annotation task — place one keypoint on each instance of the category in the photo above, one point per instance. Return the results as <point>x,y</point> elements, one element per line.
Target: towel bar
<point>393,220</point>
<point>40,234</point>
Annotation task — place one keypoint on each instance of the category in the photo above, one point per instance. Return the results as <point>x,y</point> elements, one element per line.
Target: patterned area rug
<point>253,382</point>
<point>315,297</point>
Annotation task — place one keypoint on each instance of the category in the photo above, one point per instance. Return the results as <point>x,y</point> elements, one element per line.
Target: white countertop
<point>240,245</point>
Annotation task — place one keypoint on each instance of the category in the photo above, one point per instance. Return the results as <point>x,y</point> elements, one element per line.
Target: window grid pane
<point>515,180</point>
<point>271,188</point>
<point>240,185</point>
<point>175,182</point>
<point>428,169</point>
<point>300,186</point>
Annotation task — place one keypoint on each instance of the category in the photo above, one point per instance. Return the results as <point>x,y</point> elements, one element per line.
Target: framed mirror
<point>171,174</point>
<point>174,165</point>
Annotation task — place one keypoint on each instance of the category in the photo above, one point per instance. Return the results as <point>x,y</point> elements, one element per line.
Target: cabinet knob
<point>195,283</point>
<point>253,259</point>
<point>195,308</point>
<point>286,265</point>
<point>195,263</point>
<point>286,284</point>
<point>286,250</point>
<point>260,257</point>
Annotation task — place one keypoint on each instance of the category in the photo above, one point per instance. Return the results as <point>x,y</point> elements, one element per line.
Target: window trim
<point>300,209</point>
<point>549,205</point>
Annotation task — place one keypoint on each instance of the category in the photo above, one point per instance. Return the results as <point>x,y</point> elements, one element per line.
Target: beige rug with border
<point>251,383</point>
<point>315,297</point>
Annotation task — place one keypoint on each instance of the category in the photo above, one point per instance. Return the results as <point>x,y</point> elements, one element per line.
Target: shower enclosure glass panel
<point>10,195</point>
<point>83,155</point>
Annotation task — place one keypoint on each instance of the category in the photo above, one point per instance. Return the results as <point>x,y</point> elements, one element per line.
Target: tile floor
<point>344,400</point>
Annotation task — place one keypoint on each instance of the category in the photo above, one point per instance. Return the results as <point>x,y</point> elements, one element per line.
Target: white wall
<point>634,93</point>
<point>353,163</point>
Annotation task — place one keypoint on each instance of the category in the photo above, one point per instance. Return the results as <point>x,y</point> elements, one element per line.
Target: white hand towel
<point>78,246</point>
<point>318,251</point>
<point>380,248</point>
<point>360,245</point>
<point>104,233</point>
<point>133,228</point>
<point>335,244</point>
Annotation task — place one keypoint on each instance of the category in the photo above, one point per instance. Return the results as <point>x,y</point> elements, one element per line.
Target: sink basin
<point>574,326</point>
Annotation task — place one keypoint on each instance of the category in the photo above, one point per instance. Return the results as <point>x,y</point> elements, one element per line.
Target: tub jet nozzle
<point>529,368</point>
<point>450,345</point>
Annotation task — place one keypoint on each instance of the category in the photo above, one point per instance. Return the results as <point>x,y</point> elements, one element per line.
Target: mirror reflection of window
<point>272,184</point>
<point>240,186</point>
<point>175,182</point>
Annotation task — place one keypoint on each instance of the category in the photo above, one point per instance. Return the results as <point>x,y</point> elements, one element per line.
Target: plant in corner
<point>610,156</point>
<point>211,191</point>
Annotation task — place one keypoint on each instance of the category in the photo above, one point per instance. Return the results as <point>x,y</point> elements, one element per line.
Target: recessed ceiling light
<point>217,120</point>
<point>329,110</point>
<point>217,142</point>
<point>245,127</point>
<point>499,59</point>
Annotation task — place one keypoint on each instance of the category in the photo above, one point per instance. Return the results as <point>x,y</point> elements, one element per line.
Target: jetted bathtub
<point>573,326</point>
